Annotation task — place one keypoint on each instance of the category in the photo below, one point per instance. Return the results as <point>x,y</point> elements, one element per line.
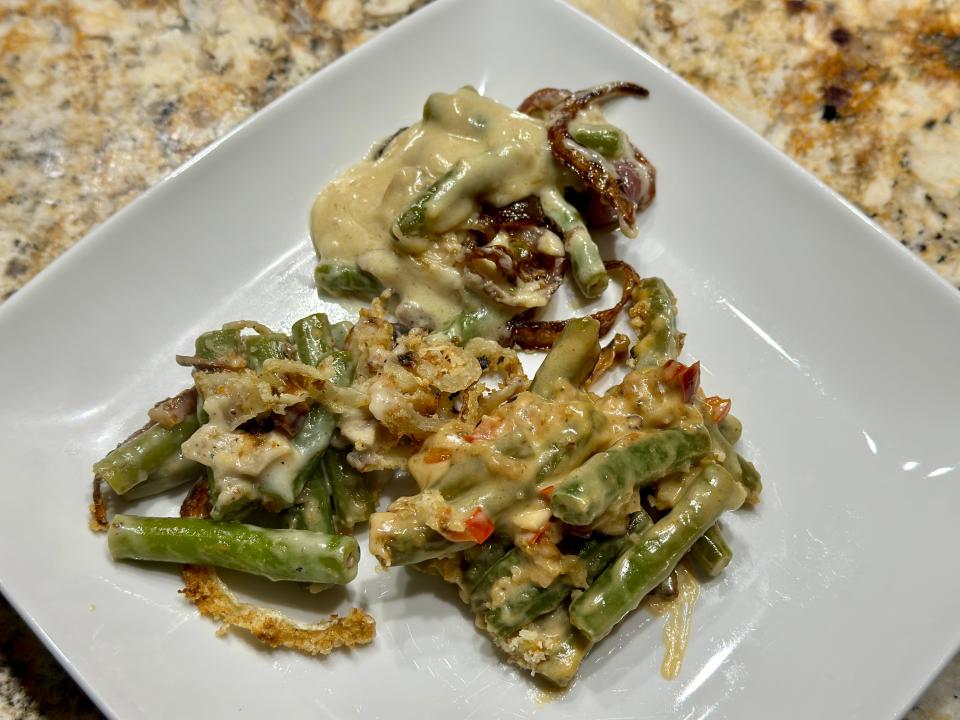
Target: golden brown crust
<point>98,508</point>
<point>207,591</point>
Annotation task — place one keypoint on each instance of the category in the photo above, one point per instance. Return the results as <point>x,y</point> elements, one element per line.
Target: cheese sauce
<point>352,216</point>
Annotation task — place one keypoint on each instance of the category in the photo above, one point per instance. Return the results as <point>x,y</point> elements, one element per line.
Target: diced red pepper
<point>686,377</point>
<point>485,430</point>
<point>479,525</point>
<point>719,407</point>
<point>546,493</point>
<point>477,528</point>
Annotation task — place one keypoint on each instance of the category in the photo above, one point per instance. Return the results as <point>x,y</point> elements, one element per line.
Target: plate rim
<point>62,263</point>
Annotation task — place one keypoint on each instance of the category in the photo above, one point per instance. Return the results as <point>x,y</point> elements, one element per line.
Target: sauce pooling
<point>509,158</point>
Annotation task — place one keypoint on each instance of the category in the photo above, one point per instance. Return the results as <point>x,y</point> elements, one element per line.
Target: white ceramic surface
<point>839,349</point>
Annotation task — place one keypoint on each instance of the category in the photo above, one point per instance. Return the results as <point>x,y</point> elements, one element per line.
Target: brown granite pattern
<point>99,99</point>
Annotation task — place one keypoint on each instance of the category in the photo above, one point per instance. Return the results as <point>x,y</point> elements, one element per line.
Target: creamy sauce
<point>509,158</point>
<point>679,612</point>
<point>532,439</point>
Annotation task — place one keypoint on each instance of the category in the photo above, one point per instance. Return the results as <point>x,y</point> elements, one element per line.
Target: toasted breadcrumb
<point>213,598</point>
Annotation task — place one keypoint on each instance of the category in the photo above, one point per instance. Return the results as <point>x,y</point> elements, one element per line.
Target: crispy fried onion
<point>98,508</point>
<point>541,334</point>
<point>513,257</point>
<point>625,186</point>
<point>497,361</point>
<point>424,382</point>
<point>542,102</point>
<point>174,410</point>
<point>205,589</point>
<point>616,349</point>
<point>519,268</point>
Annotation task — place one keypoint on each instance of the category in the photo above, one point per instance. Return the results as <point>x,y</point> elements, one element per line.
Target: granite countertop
<point>101,99</point>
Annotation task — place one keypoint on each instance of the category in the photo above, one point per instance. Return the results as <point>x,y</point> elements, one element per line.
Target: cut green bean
<point>396,540</point>
<point>640,568</point>
<point>657,338</point>
<point>605,139</point>
<point>750,478</point>
<point>410,227</point>
<point>298,555</point>
<point>731,428</point>
<point>339,332</point>
<point>314,508</point>
<point>482,321</point>
<point>572,358</point>
<point>175,471</point>
<point>585,261</point>
<point>529,601</point>
<point>711,553</point>
<point>218,344</point>
<point>588,491</point>
<point>313,337</point>
<point>352,500</point>
<point>260,348</point>
<point>132,463</point>
<point>480,558</point>
<point>341,279</point>
<point>567,647</point>
<point>280,487</point>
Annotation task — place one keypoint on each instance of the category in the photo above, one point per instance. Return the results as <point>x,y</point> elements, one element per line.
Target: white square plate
<point>839,349</point>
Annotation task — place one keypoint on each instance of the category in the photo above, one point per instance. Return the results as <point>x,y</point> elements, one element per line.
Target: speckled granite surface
<point>100,99</point>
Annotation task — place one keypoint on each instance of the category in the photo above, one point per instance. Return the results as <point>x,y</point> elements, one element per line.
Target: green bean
<point>352,500</point>
<point>214,345</point>
<point>410,227</point>
<point>260,348</point>
<point>502,568</point>
<point>585,260</point>
<point>588,491</point>
<point>445,110</point>
<point>313,337</point>
<point>572,357</point>
<point>176,470</point>
<point>314,508</point>
<point>657,339</point>
<point>605,139</point>
<point>339,332</point>
<point>750,478</point>
<point>452,198</point>
<point>480,558</point>
<point>396,540</point>
<point>131,464</point>
<point>279,488</point>
<point>529,600</point>
<point>566,651</point>
<point>711,553</point>
<point>218,344</point>
<point>731,428</point>
<point>298,555</point>
<point>341,279</point>
<point>640,568</point>
<point>482,321</point>
<point>467,486</point>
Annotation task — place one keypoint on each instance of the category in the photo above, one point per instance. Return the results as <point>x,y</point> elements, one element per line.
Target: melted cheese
<point>351,219</point>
